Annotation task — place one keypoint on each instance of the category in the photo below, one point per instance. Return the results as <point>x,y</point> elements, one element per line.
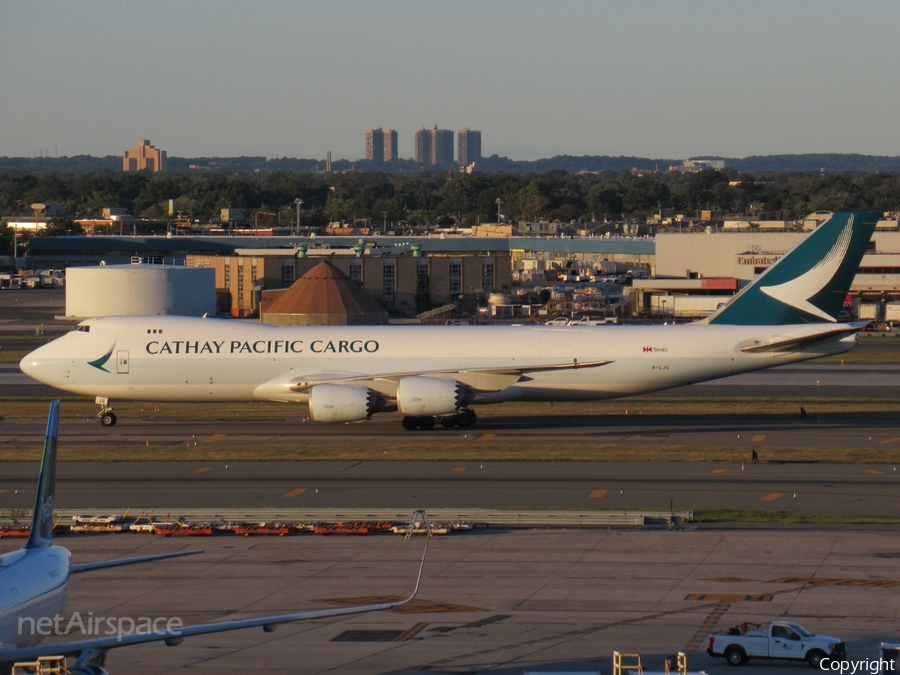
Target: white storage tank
<point>110,290</point>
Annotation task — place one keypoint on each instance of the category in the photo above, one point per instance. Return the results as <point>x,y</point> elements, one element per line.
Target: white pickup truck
<point>781,640</point>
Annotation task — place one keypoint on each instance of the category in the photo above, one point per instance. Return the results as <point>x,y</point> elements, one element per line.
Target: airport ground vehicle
<point>781,640</point>
<point>589,321</point>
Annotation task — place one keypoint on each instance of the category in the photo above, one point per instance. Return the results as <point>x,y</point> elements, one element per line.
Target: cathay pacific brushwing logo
<point>101,362</point>
<point>798,291</point>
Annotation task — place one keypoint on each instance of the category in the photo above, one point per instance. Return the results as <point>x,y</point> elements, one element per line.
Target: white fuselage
<point>34,585</point>
<point>160,358</point>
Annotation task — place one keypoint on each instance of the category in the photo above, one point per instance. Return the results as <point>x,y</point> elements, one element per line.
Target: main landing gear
<point>106,414</point>
<point>463,419</point>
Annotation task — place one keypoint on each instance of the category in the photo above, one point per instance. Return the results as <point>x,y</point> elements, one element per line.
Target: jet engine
<point>421,396</point>
<point>341,403</point>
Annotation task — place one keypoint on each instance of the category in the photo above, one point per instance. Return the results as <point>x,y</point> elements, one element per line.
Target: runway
<point>840,490</point>
<point>764,433</point>
<point>857,491</point>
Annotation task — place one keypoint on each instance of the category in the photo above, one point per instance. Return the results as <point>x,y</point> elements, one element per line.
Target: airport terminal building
<point>692,271</point>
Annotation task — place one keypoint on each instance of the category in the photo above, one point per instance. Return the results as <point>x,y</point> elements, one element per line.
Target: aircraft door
<point>122,361</point>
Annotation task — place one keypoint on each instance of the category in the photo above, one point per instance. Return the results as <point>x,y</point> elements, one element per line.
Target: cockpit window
<point>83,329</point>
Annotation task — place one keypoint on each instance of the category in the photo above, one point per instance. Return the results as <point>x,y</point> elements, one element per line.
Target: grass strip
<point>726,515</point>
<point>450,451</point>
<point>750,516</point>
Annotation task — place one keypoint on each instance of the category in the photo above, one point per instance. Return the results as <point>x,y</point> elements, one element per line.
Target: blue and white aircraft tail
<point>41,533</point>
<point>34,588</point>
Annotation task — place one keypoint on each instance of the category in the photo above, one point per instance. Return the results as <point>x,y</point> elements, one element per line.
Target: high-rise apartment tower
<point>434,147</point>
<point>468,146</point>
<point>381,145</point>
<point>374,145</point>
<point>422,154</point>
<point>390,145</point>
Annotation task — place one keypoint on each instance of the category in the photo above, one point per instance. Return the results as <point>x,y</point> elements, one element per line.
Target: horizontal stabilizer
<point>103,564</point>
<point>781,346</point>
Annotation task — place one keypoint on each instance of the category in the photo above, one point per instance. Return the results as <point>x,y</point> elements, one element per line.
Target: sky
<point>656,78</point>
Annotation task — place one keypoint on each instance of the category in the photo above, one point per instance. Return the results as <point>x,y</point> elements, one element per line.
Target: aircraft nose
<point>32,364</point>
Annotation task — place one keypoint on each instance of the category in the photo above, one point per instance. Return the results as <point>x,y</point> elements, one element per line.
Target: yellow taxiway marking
<point>772,496</point>
<point>215,437</point>
<point>486,437</point>
<point>890,440</point>
<point>730,597</point>
<point>867,583</point>
<point>203,469</point>
<point>720,470</point>
<point>707,626</point>
<point>759,438</point>
<point>403,637</point>
<point>598,494</point>
<point>875,472</point>
<point>458,469</point>
<point>295,492</point>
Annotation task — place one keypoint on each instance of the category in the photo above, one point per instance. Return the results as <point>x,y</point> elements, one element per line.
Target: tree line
<point>419,199</point>
<point>830,162</point>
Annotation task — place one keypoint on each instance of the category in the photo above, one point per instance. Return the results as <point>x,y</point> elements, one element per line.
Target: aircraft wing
<point>93,651</point>
<point>87,567</point>
<point>480,379</point>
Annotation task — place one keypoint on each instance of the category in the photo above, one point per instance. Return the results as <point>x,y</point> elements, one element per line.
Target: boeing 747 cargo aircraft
<point>35,588</point>
<point>789,313</point>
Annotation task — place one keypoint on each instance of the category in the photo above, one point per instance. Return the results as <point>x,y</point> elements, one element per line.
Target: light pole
<point>299,203</point>
<point>499,203</point>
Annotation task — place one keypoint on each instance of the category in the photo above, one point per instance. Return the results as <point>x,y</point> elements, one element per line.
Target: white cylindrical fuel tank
<point>110,290</point>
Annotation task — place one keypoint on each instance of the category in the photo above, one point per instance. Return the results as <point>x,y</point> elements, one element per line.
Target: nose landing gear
<point>106,414</point>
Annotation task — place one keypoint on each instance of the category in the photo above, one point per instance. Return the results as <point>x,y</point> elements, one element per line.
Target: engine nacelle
<point>420,396</point>
<point>341,403</point>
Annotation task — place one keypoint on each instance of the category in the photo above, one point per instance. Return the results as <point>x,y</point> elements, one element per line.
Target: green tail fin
<point>809,284</point>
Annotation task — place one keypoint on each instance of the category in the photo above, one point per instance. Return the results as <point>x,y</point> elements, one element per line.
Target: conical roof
<point>325,296</point>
